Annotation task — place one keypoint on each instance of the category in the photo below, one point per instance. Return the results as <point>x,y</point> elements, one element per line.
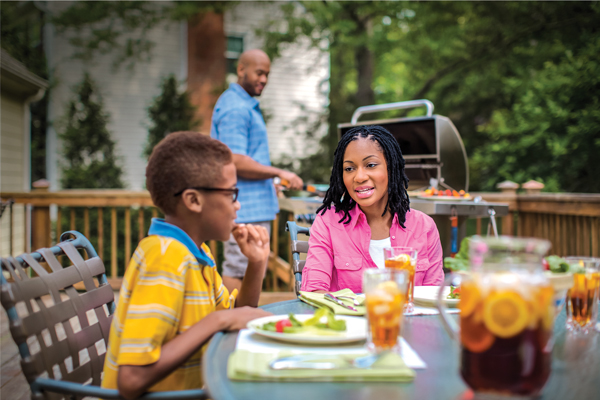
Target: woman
<point>371,211</point>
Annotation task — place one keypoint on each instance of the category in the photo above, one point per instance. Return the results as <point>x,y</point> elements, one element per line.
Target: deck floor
<point>14,386</point>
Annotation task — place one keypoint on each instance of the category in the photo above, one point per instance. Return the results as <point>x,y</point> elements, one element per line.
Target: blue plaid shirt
<point>238,122</point>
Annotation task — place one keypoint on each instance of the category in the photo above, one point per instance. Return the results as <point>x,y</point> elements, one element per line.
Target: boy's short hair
<point>183,160</point>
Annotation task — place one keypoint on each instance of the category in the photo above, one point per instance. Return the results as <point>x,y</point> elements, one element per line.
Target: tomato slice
<point>279,325</point>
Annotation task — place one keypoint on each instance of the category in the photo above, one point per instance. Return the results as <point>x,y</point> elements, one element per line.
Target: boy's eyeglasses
<point>234,191</point>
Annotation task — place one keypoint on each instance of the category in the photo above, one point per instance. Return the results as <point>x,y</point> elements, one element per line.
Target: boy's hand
<point>238,318</point>
<point>253,241</point>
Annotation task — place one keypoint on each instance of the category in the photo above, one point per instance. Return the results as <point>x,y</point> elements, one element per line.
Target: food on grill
<point>431,192</point>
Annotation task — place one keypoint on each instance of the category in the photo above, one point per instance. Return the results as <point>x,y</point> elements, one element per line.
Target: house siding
<point>12,172</point>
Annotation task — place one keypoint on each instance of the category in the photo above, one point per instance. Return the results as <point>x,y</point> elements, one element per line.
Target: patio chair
<point>298,247</point>
<point>62,333</point>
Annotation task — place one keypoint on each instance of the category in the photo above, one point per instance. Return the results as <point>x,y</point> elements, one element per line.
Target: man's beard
<point>249,88</point>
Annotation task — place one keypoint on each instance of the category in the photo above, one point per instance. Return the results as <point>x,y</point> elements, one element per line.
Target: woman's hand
<point>253,241</point>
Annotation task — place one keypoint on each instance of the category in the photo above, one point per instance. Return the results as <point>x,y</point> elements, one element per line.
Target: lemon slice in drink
<point>388,287</point>
<point>470,297</point>
<point>505,314</point>
<point>403,258</point>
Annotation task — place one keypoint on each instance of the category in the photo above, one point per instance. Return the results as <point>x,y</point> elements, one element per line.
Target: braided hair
<point>337,194</point>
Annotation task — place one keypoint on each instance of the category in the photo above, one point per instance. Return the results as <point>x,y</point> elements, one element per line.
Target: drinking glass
<point>385,295</point>
<point>582,298</point>
<point>403,258</point>
<point>506,317</point>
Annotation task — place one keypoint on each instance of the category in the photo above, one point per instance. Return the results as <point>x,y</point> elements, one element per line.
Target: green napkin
<point>318,300</point>
<point>245,365</point>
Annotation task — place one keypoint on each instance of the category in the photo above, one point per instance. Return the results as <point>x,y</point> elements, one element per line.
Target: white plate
<point>426,296</point>
<point>356,329</point>
<point>445,198</point>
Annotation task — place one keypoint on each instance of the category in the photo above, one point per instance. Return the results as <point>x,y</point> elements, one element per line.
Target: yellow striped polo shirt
<point>170,284</point>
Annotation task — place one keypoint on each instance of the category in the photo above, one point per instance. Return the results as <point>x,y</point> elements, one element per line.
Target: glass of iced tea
<point>582,298</point>
<point>403,258</point>
<point>385,295</point>
<point>506,318</point>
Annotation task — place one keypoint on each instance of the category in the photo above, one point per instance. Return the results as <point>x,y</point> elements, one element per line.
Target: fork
<point>354,299</point>
<point>311,361</point>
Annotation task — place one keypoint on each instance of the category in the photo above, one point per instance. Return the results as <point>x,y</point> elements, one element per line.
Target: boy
<point>172,299</point>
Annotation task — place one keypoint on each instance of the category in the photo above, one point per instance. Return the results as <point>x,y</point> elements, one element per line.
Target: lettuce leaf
<point>460,261</point>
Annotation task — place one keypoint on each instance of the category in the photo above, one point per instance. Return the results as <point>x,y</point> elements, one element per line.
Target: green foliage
<point>88,150</point>
<point>171,111</point>
<point>552,130</point>
<point>344,29</point>
<point>21,27</point>
<point>121,27</point>
<point>502,71</point>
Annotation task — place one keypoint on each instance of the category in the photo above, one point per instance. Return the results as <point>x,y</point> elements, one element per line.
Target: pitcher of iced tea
<point>506,317</point>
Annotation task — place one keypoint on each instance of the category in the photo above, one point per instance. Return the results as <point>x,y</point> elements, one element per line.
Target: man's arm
<point>247,168</point>
<point>232,128</point>
<point>134,380</point>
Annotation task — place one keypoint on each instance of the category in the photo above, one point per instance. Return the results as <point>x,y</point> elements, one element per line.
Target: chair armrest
<point>63,387</point>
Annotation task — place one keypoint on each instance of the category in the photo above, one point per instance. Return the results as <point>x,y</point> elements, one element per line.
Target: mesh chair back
<point>61,333</point>
<point>298,247</point>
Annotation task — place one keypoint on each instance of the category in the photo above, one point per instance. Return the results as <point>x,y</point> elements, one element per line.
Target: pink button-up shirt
<point>338,253</point>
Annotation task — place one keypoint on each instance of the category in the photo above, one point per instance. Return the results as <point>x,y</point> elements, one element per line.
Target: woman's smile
<point>364,192</point>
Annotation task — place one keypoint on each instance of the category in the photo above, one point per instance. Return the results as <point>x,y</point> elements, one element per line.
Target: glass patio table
<point>575,367</point>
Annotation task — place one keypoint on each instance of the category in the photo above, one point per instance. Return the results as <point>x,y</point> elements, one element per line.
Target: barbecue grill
<point>435,156</point>
<point>431,146</point>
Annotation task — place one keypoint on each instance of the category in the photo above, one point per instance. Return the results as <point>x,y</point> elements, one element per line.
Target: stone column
<point>508,223</point>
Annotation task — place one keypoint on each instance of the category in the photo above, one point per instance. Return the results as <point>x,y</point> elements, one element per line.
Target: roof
<point>17,79</point>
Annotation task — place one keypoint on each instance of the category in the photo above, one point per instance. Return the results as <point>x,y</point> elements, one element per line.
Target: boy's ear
<point>192,200</point>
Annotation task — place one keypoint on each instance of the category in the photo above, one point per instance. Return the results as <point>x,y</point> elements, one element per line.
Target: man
<point>238,122</point>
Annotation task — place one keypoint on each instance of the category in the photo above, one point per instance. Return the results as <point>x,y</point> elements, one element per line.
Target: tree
<point>88,150</point>
<point>120,27</point>
<point>552,130</point>
<point>344,30</point>
<point>170,112</point>
<point>472,59</point>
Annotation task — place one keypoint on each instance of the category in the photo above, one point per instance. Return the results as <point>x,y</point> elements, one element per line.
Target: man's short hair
<point>183,160</point>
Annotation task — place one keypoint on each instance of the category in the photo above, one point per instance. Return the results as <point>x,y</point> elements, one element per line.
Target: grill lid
<point>431,145</point>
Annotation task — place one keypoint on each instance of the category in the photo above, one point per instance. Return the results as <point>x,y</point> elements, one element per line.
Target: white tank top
<point>376,251</point>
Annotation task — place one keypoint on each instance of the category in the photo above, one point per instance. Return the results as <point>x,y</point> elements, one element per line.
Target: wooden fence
<point>116,220</point>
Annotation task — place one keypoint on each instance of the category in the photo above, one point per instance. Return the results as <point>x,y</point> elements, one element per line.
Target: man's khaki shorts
<point>235,263</point>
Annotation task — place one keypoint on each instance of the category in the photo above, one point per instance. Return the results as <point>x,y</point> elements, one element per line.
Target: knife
<point>324,361</point>
<point>330,297</point>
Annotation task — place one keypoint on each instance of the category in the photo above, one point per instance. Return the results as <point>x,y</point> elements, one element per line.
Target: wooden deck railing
<point>116,220</point>
<point>570,221</point>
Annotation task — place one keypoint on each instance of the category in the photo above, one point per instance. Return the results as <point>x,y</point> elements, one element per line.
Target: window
<point>235,47</point>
